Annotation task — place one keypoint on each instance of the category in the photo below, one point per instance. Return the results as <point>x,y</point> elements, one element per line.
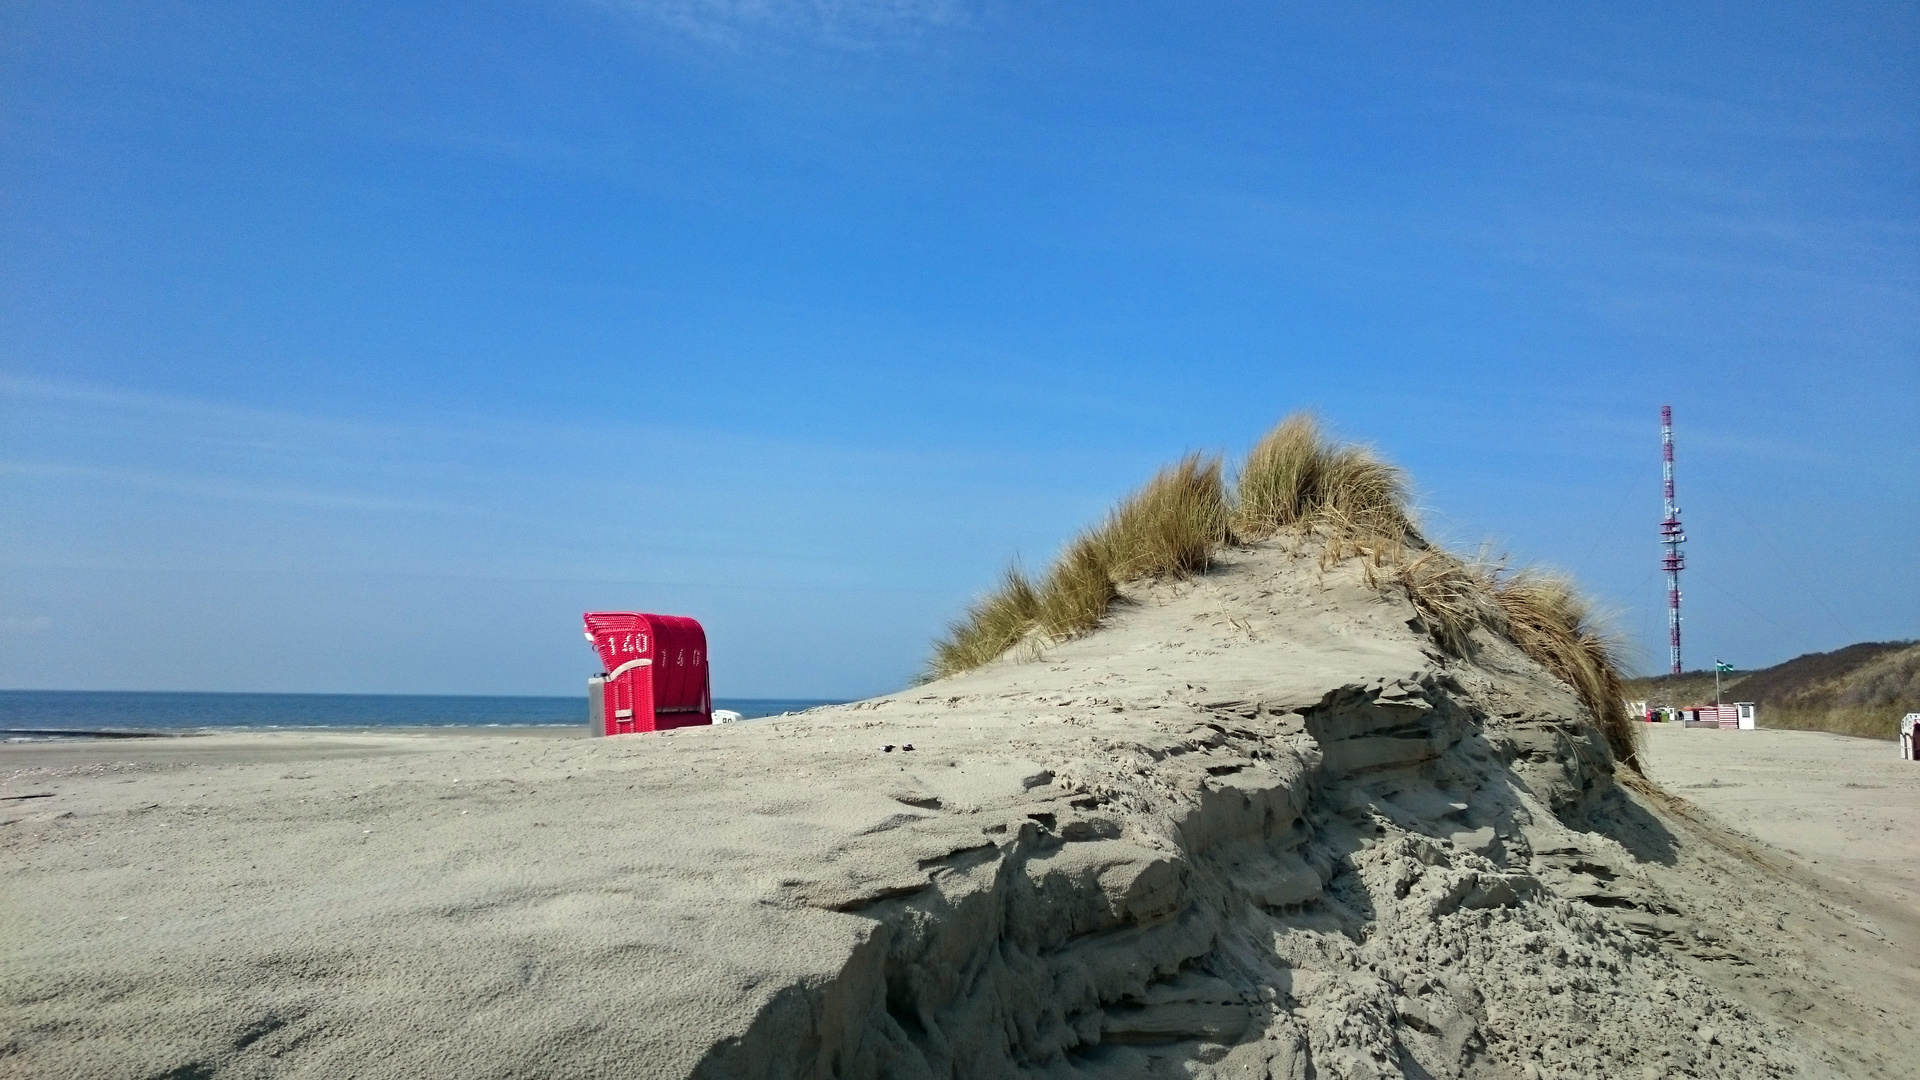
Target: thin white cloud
<point>326,436</point>
<point>195,413</point>
<point>843,23</point>
<point>202,487</point>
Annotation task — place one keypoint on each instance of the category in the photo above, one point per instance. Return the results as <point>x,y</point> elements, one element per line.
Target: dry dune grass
<point>1296,481</point>
<point>1296,477</point>
<point>1171,527</point>
<point>1550,620</point>
<point>1168,529</point>
<point>1279,480</point>
<point>1452,596</point>
<point>1841,720</point>
<point>1079,588</point>
<point>995,623</point>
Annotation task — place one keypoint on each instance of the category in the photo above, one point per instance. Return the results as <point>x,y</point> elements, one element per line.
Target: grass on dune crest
<point>1168,529</point>
<point>1171,527</point>
<point>1297,481</point>
<point>1550,620</point>
<point>1278,483</point>
<point>1079,588</point>
<point>995,623</point>
<point>1452,596</point>
<point>1294,476</point>
<point>1365,492</point>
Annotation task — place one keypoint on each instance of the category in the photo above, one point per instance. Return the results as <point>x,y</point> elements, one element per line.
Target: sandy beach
<point>1259,465</point>
<point>1256,826</point>
<point>263,748</point>
<point>1842,805</point>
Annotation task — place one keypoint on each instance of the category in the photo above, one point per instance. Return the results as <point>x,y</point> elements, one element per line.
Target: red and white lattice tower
<point>1671,537</point>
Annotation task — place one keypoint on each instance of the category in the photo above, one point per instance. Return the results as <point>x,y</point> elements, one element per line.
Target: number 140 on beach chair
<point>655,675</point>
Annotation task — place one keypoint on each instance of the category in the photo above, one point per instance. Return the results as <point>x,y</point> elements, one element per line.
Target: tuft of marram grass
<point>1280,483</point>
<point>1550,621</point>
<point>1171,527</point>
<point>1364,491</point>
<point>1295,477</point>
<point>1452,597</point>
<point>1079,588</point>
<point>993,624</point>
<point>1168,529</point>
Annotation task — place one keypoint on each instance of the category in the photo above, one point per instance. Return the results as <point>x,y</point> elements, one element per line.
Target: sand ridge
<point>1259,825</point>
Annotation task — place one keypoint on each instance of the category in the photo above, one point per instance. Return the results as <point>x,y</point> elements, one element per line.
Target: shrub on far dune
<point>1866,723</point>
<point>1868,699</point>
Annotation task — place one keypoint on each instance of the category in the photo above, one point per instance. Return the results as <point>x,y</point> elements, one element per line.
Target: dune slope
<point>1256,825</point>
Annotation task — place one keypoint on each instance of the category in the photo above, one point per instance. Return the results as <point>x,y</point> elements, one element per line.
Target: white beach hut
<point>1908,736</point>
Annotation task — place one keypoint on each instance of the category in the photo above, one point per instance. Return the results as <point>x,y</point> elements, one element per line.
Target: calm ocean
<point>45,714</point>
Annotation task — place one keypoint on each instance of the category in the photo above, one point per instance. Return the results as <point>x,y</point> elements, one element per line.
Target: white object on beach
<point>726,716</point>
<point>1910,736</point>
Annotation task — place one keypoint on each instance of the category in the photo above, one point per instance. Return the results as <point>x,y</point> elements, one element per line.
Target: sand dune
<point>1258,825</point>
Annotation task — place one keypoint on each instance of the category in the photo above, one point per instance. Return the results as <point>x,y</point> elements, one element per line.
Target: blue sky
<point>360,347</point>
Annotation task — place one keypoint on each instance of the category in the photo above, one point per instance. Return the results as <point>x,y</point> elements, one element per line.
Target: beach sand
<point>265,747</point>
<point>1257,825</point>
<point>1845,805</point>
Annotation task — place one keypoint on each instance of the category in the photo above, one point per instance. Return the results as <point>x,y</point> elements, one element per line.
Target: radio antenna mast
<point>1671,537</point>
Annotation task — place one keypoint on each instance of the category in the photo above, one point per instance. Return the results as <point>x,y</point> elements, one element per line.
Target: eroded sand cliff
<point>1258,825</point>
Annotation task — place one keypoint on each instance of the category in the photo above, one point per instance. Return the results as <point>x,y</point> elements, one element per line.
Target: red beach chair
<point>656,673</point>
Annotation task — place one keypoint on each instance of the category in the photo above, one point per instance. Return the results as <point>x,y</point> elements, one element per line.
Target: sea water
<point>53,714</point>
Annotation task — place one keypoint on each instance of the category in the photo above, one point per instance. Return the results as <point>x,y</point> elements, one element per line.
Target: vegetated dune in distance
<point>1862,689</point>
<point>1284,815</point>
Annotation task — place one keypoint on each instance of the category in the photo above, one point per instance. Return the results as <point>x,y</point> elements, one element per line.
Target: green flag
<point>1719,666</point>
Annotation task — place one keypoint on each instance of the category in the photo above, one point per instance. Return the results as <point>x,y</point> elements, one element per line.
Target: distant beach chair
<point>656,675</point>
